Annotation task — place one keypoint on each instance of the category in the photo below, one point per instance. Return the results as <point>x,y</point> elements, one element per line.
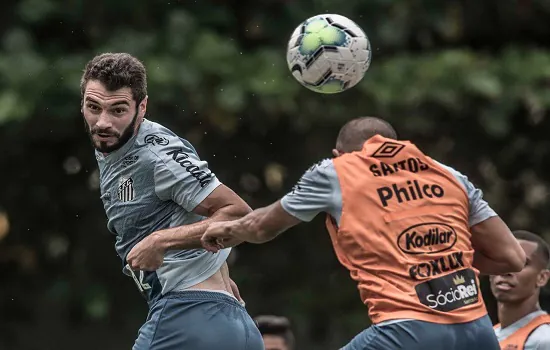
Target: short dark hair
<point>276,325</point>
<point>116,71</point>
<point>543,250</point>
<point>354,133</point>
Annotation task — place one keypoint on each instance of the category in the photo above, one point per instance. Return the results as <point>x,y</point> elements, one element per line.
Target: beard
<point>122,137</point>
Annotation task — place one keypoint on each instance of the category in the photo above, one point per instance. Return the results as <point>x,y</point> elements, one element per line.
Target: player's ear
<point>543,278</point>
<point>336,153</point>
<point>143,106</point>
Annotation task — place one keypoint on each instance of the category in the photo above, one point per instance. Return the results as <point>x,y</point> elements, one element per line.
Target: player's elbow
<point>493,239</point>
<point>234,211</point>
<point>241,209</point>
<point>516,260</point>
<point>513,256</point>
<point>246,209</point>
<point>511,260</point>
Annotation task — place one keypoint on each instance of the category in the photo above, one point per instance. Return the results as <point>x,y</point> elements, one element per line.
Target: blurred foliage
<point>467,80</point>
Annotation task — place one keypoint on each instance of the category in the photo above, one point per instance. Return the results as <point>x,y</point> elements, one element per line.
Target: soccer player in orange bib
<point>413,233</point>
<point>523,324</point>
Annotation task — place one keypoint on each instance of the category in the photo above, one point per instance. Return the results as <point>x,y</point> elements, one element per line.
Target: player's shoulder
<point>543,330</point>
<point>161,141</point>
<point>153,134</point>
<point>321,173</point>
<point>323,167</point>
<point>458,175</point>
<point>450,168</point>
<point>540,336</point>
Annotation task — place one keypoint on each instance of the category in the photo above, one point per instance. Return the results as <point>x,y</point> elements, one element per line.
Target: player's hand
<point>218,236</point>
<point>147,255</point>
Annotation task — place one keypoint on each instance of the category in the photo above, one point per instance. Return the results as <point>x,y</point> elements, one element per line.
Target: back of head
<point>354,133</point>
<point>543,250</point>
<point>276,326</point>
<point>116,71</point>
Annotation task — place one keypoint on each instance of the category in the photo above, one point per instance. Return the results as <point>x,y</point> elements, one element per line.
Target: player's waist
<point>382,318</point>
<point>389,310</point>
<point>203,295</point>
<point>455,296</point>
<point>177,274</point>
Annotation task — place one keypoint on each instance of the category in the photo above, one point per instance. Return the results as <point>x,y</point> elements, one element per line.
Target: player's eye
<point>119,111</point>
<point>92,107</point>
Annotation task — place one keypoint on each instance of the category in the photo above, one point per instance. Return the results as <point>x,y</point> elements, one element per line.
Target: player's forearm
<point>254,228</point>
<point>264,224</point>
<point>497,250</point>
<point>488,266</point>
<point>189,236</point>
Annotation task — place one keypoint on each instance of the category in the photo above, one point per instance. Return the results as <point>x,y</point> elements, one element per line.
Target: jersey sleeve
<point>180,175</point>
<point>479,208</point>
<point>318,190</point>
<point>539,339</point>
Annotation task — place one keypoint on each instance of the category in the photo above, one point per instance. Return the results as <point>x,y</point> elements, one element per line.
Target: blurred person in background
<point>413,233</point>
<point>159,198</point>
<point>523,324</point>
<point>276,332</point>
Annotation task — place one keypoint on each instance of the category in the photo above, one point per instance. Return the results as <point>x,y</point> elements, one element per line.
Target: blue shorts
<point>417,335</point>
<point>198,320</point>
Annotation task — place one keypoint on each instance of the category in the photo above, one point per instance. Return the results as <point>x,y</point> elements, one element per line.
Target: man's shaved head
<point>354,133</point>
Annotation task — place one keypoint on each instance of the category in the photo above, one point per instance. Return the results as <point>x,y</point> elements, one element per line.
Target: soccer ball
<point>328,53</point>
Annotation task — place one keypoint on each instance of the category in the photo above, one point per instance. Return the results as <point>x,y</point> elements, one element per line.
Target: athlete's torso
<point>152,183</point>
<point>404,235</point>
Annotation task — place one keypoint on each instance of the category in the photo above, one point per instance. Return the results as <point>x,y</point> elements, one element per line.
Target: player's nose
<point>104,121</point>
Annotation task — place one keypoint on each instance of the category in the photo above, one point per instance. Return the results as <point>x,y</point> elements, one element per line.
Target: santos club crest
<point>126,192</point>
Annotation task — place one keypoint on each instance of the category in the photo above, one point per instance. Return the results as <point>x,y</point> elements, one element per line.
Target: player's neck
<point>509,313</point>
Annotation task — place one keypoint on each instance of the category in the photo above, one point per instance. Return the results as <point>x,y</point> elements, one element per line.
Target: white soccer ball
<point>328,53</point>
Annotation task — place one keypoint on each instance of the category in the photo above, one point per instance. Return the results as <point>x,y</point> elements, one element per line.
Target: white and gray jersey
<point>154,182</point>
<point>319,191</point>
<point>539,339</point>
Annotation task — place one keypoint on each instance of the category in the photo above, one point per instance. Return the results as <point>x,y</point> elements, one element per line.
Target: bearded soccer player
<point>159,198</point>
<point>523,324</point>
<point>413,233</point>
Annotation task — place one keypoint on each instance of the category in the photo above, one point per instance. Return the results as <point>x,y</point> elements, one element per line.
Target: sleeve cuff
<point>298,215</point>
<point>480,217</point>
<point>205,192</point>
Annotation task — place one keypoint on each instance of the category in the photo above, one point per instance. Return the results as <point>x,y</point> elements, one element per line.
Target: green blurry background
<point>467,80</point>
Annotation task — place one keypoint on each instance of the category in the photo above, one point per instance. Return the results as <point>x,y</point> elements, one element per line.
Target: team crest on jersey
<point>126,192</point>
<point>388,150</point>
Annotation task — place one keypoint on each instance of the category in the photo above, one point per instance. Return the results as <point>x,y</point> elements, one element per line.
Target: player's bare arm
<point>496,249</point>
<point>313,194</point>
<point>221,205</point>
<point>260,226</point>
